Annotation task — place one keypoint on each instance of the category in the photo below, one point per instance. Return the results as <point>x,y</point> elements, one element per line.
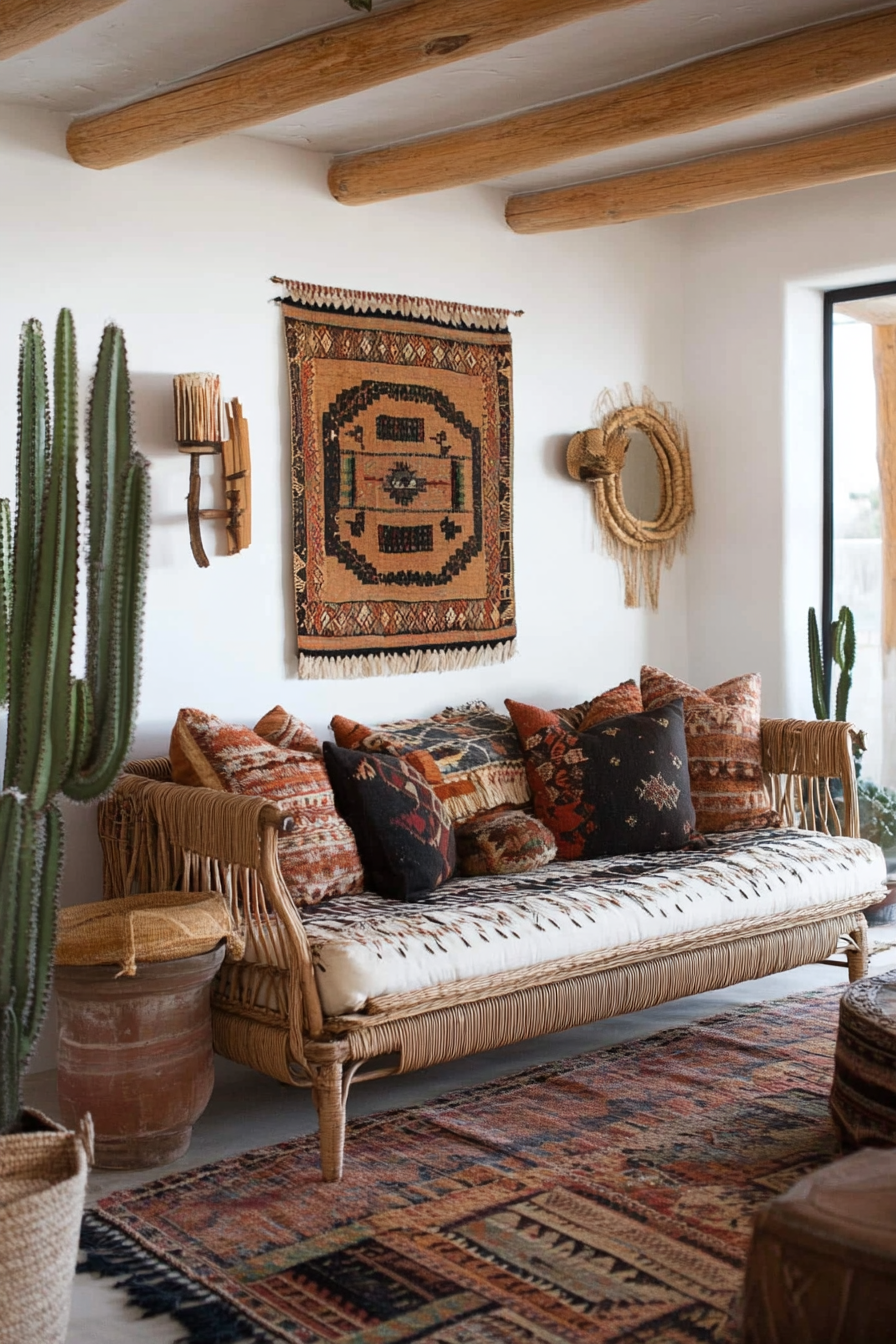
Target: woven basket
<point>43,1177</point>
<point>155,926</point>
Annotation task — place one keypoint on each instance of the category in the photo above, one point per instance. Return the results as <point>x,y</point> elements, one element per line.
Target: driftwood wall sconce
<point>197,416</point>
<point>598,456</point>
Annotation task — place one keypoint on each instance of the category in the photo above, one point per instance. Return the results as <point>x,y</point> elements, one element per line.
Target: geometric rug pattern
<point>604,1198</point>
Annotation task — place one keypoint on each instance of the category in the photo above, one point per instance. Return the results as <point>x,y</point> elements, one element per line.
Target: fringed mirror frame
<point>598,455</point>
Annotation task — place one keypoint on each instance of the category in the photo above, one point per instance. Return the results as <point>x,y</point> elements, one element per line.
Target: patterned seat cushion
<point>405,838</point>
<point>365,946</point>
<point>620,788</point>
<point>504,841</point>
<point>724,740</point>
<point>281,761</point>
<point>470,756</point>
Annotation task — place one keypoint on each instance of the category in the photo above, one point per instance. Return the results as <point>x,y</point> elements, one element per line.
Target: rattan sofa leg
<point>326,1059</point>
<point>857,956</point>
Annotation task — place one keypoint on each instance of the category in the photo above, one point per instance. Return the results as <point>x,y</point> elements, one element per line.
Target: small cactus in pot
<point>66,735</point>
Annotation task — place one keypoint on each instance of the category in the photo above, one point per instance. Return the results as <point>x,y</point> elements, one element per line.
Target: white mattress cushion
<point>365,946</point>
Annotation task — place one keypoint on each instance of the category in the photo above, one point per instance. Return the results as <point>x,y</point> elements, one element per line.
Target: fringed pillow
<point>471,756</point>
<point>319,857</point>
<point>404,835</point>
<point>503,842</point>
<point>724,738</point>
<point>620,788</point>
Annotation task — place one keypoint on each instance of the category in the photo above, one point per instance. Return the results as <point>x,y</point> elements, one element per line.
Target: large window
<point>859,536</point>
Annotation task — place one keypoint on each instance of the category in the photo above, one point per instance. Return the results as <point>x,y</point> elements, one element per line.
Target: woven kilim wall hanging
<point>401,470</point>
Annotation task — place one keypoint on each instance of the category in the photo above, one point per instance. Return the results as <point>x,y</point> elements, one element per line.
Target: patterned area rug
<point>401,462</point>
<point>604,1198</point>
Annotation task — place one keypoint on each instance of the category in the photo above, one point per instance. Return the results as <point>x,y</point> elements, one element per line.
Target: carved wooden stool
<point>863,1096</point>
<point>822,1262</point>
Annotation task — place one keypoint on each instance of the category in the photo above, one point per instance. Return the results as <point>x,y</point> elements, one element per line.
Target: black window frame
<point>831,298</point>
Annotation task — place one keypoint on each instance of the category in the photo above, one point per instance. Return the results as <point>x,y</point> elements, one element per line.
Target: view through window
<point>860,513</point>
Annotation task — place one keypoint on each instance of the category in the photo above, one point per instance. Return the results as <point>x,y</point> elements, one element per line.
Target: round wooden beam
<point>333,63</point>
<point>740,83</point>
<point>835,156</point>
<point>26,23</point>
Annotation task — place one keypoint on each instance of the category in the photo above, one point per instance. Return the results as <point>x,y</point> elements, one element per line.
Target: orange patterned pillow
<point>613,704</point>
<point>470,756</point>
<point>722,727</point>
<point>281,761</point>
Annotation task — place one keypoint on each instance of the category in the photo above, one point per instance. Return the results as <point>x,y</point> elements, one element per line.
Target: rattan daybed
<point>358,980</point>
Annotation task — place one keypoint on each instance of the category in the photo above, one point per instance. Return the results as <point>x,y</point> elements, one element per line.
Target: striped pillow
<point>281,761</point>
<point>722,729</point>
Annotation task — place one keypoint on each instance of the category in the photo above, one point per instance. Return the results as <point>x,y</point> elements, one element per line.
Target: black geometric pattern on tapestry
<point>449,528</point>
<point>404,836</point>
<point>402,540</point>
<point>337,420</point>
<point>400,428</point>
<point>404,483</point>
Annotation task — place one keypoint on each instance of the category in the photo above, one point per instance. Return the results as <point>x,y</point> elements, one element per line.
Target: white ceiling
<point>145,45</point>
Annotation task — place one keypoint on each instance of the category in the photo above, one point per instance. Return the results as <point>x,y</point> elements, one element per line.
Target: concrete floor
<point>248,1110</point>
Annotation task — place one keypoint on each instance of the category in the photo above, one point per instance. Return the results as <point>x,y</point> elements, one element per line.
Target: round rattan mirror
<point>598,455</point>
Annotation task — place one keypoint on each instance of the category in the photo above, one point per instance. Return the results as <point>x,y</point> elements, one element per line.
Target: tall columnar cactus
<point>843,653</point>
<point>65,734</point>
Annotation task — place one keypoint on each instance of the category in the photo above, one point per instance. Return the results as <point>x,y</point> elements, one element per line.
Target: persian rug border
<point>402,551</point>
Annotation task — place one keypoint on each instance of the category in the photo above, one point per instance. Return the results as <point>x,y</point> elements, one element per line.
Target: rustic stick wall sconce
<point>598,455</point>
<point>197,416</point>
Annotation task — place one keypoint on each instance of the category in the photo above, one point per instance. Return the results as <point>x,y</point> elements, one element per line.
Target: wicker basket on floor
<point>43,1178</point>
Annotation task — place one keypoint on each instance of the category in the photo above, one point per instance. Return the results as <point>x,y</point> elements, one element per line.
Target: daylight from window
<point>857,531</point>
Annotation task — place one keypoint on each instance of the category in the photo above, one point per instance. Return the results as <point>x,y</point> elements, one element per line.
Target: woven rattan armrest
<point>157,835</point>
<point>800,757</point>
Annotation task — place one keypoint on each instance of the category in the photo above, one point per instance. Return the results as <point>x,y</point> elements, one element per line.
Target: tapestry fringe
<point>493,785</point>
<point>317,667</point>
<point>159,1289</point>
<point>397,305</point>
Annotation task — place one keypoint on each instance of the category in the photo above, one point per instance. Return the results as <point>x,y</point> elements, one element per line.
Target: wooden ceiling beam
<point>26,23</point>
<point>333,63</point>
<point>720,179</point>
<point>808,63</point>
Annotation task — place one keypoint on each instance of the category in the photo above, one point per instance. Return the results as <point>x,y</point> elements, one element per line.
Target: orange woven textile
<point>401,452</point>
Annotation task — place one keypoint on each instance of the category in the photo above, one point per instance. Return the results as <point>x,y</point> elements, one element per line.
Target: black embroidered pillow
<point>403,833</point>
<point>622,787</point>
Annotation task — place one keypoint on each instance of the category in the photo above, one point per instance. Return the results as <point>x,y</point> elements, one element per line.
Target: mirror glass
<point>640,478</point>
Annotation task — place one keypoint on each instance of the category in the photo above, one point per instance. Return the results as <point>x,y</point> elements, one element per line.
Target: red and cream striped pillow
<point>280,760</point>
<point>722,730</point>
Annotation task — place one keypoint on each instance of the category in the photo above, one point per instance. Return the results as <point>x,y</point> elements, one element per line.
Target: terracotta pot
<point>43,1177</point>
<point>136,1052</point>
<point>885,911</point>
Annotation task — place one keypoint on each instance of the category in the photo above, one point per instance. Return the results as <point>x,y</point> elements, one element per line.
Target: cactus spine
<point>65,734</point>
<point>843,653</point>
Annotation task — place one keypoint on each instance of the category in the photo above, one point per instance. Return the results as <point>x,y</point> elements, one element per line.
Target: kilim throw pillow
<point>723,732</point>
<point>622,699</point>
<point>620,788</point>
<point>404,835</point>
<point>470,756</point>
<point>505,841</point>
<point>319,856</point>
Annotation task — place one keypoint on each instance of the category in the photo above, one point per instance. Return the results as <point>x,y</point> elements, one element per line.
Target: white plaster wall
<point>754,277</point>
<point>178,250</point>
